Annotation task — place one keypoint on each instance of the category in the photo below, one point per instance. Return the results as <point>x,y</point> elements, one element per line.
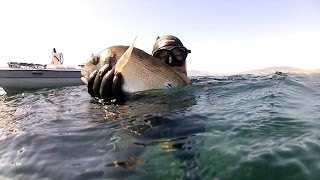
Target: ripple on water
<point>297,159</point>
<point>236,127</point>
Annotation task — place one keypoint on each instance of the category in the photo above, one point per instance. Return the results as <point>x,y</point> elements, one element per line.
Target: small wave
<point>224,127</point>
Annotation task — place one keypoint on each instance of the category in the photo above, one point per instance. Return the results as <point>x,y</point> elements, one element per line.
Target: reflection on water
<point>233,127</point>
<point>65,124</point>
<point>152,120</point>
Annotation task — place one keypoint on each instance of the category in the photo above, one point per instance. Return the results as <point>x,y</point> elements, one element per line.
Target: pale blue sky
<point>224,36</point>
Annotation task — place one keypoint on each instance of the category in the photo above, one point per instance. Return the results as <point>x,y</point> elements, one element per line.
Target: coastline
<point>264,71</point>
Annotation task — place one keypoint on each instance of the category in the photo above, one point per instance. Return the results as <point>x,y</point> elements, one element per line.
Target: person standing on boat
<point>57,58</point>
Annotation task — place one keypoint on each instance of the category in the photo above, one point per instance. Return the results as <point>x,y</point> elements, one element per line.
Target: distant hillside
<point>269,70</point>
<point>200,73</point>
<point>207,73</point>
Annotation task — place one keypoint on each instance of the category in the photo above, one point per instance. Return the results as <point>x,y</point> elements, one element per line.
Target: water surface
<point>233,127</point>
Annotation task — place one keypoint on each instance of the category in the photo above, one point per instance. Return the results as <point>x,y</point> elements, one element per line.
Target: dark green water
<point>236,127</point>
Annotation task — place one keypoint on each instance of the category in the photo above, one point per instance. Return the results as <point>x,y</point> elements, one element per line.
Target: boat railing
<point>26,65</point>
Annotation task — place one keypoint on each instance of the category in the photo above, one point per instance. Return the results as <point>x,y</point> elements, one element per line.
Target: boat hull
<point>14,80</point>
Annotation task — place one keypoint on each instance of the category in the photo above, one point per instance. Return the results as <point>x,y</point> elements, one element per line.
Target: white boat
<point>20,76</point>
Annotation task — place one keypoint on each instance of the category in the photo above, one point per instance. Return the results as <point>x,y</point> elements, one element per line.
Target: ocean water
<point>232,127</point>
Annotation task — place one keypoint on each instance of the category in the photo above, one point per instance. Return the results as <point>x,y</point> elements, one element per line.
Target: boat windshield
<point>26,65</point>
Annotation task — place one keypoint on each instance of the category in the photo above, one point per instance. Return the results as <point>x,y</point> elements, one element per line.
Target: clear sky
<point>224,35</point>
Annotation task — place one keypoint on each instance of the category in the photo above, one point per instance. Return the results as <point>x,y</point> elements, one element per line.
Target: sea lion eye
<point>111,60</point>
<point>95,60</point>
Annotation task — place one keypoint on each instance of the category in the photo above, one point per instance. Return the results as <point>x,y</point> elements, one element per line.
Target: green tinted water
<point>243,127</point>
